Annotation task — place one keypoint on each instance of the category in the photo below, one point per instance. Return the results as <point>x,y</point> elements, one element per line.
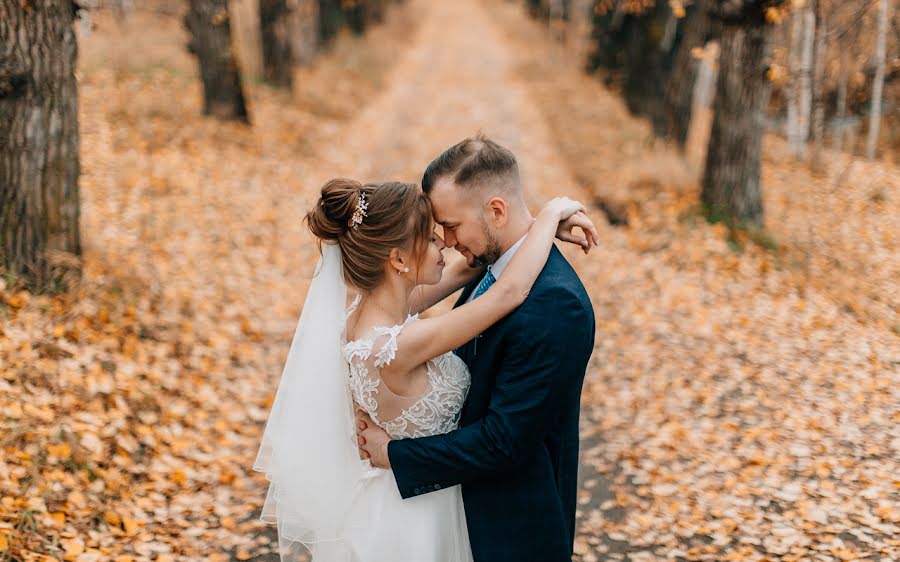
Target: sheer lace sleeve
<point>435,411</point>
<point>367,357</point>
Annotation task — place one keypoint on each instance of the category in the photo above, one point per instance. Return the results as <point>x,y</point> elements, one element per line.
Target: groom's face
<point>462,216</point>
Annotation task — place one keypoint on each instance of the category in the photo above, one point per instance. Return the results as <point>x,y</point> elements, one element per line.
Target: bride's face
<point>431,266</point>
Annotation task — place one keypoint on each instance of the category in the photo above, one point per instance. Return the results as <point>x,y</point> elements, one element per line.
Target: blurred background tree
<point>277,51</point>
<point>730,185</point>
<point>662,56</point>
<point>209,24</point>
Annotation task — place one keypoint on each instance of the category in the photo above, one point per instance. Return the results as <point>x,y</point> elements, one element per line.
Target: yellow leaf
<point>73,547</point>
<point>130,525</point>
<point>61,451</point>
<point>179,477</point>
<point>112,518</point>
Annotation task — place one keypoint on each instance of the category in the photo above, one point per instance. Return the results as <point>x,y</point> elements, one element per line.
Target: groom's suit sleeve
<point>543,357</point>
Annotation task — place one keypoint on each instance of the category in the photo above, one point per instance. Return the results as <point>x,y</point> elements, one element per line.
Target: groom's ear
<point>498,212</point>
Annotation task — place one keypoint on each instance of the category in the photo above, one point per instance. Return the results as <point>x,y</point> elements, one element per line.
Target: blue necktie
<point>485,284</point>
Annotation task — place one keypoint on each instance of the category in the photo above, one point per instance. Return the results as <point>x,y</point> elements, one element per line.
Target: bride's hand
<point>587,239</point>
<point>562,208</point>
<point>571,214</point>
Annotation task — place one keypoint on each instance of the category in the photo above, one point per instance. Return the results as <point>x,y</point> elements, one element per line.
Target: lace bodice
<point>433,412</point>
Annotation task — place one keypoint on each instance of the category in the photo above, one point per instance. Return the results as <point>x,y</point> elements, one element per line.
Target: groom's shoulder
<point>557,286</point>
<point>558,277</point>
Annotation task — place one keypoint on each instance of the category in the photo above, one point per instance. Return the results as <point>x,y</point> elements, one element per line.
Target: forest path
<point>455,79</point>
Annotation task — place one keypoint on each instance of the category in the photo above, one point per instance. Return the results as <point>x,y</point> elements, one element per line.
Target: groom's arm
<point>542,363</point>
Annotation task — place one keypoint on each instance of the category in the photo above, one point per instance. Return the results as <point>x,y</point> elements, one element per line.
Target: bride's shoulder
<point>373,327</point>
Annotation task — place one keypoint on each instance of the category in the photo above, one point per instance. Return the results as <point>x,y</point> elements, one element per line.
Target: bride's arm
<point>458,273</point>
<point>431,337</point>
<point>454,278</point>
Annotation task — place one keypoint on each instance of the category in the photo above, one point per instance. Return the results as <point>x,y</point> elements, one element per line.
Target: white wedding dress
<point>430,527</point>
<point>322,497</point>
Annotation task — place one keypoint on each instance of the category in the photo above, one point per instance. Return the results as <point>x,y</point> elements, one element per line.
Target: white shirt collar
<point>497,268</point>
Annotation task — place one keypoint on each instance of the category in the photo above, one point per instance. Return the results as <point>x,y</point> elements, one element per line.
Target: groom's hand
<point>587,239</point>
<point>373,440</point>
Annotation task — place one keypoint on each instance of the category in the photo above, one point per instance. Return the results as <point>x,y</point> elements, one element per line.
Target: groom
<point>516,450</point>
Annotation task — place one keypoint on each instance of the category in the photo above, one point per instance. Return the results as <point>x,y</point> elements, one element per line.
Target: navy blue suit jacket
<point>516,450</point>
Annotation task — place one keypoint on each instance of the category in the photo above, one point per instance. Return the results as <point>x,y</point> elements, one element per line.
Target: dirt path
<point>456,78</point>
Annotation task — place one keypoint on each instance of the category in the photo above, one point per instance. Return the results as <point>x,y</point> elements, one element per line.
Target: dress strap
<point>389,349</point>
<point>353,306</point>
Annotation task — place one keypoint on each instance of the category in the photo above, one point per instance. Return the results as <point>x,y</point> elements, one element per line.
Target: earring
<point>405,270</point>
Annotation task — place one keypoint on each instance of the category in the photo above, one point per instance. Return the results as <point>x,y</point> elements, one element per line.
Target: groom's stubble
<point>492,248</point>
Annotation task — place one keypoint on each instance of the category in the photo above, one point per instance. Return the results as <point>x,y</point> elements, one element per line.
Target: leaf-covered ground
<point>742,402</point>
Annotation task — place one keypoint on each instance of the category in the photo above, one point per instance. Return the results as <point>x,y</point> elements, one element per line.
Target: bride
<point>360,342</point>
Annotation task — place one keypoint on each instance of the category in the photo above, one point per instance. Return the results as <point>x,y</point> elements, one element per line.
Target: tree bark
<point>805,82</point>
<point>795,140</point>
<point>648,63</point>
<point>818,85</point>
<point>731,190</point>
<point>275,34</point>
<point>305,39</point>
<point>355,15</point>
<point>223,95</point>
<point>39,166</point>
<point>678,102</point>
<point>606,31</point>
<point>331,19</point>
<point>878,84</point>
<point>841,109</point>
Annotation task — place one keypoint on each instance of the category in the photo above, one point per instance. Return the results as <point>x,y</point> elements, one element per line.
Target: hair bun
<point>328,219</point>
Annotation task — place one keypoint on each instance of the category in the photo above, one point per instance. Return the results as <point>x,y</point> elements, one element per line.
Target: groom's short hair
<point>475,161</point>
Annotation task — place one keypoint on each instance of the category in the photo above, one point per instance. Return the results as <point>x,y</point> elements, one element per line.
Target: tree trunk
<point>818,85</point>
<point>355,16</point>
<point>537,9</point>
<point>805,82</point>
<point>731,190</point>
<point>305,39</point>
<point>680,86</point>
<point>223,95</point>
<point>275,34</point>
<point>841,109</point>
<point>331,19</point>
<point>39,167</point>
<point>606,32</point>
<point>375,11</point>
<point>795,139</point>
<point>648,62</point>
<point>878,84</point>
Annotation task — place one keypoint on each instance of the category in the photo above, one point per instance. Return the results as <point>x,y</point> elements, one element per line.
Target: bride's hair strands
<point>394,215</point>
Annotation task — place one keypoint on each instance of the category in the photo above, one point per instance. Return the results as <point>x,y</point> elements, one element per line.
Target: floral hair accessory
<point>360,213</point>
